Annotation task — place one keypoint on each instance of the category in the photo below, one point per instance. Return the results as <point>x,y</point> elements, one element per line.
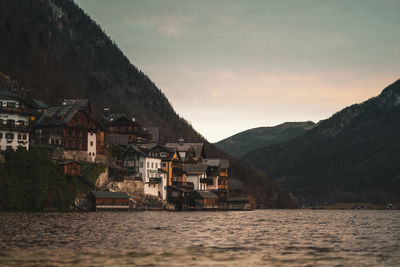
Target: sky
<point>228,66</point>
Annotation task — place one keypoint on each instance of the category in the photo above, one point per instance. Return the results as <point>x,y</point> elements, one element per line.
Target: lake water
<point>249,238</point>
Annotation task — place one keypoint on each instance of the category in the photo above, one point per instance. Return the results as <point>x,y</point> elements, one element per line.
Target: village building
<point>217,171</point>
<point>71,128</point>
<point>122,129</point>
<point>145,165</point>
<point>70,168</point>
<point>196,174</point>
<point>15,124</point>
<point>109,201</point>
<point>154,177</point>
<point>201,200</point>
<point>188,152</point>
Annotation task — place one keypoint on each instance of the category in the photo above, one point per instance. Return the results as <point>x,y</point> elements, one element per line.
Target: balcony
<point>155,180</point>
<point>15,110</point>
<point>17,128</point>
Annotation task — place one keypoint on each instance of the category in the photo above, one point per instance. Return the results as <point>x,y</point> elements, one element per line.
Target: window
<point>152,165</point>
<point>11,104</point>
<point>156,165</point>
<point>91,143</point>
<point>1,135</point>
<point>1,121</point>
<point>21,122</point>
<point>24,136</point>
<point>19,136</point>
<point>141,164</point>
<point>10,122</point>
<point>164,164</point>
<point>148,164</point>
<point>9,136</point>
<point>90,154</point>
<point>163,154</point>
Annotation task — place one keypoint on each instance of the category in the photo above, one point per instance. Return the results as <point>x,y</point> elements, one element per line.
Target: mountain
<point>56,51</point>
<point>241,143</point>
<point>352,156</point>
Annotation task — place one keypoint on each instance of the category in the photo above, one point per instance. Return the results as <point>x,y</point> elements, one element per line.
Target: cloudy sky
<point>227,66</point>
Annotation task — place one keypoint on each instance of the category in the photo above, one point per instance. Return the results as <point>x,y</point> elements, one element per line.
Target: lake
<point>242,238</point>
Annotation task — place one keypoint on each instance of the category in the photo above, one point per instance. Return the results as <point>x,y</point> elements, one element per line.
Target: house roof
<point>196,148</point>
<point>224,163</point>
<point>99,194</point>
<point>68,162</point>
<point>83,103</point>
<point>40,104</point>
<point>7,93</point>
<point>221,163</point>
<point>194,168</point>
<point>212,162</point>
<point>206,194</point>
<point>58,115</point>
<point>136,149</point>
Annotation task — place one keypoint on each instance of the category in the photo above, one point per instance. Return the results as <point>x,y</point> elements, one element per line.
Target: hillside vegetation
<point>352,156</point>
<point>243,142</point>
<point>56,49</point>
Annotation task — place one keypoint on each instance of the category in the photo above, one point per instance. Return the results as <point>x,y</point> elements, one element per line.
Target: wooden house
<point>123,126</point>
<point>178,197</point>
<point>70,168</point>
<point>109,201</point>
<point>188,152</point>
<point>200,200</point>
<point>196,174</point>
<point>217,171</point>
<point>71,127</point>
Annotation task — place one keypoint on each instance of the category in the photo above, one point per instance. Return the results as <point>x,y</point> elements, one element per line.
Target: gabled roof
<point>40,104</point>
<point>82,103</point>
<point>99,194</point>
<point>195,168</point>
<point>135,149</point>
<point>196,148</point>
<point>58,115</point>
<point>220,163</point>
<point>212,162</point>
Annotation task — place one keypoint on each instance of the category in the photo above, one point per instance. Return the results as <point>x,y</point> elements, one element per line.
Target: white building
<point>154,178</point>
<point>196,174</point>
<point>14,121</point>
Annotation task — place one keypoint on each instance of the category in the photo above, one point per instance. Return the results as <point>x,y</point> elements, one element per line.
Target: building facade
<point>15,123</point>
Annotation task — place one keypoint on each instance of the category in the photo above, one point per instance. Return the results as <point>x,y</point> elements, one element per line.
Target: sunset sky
<point>227,66</point>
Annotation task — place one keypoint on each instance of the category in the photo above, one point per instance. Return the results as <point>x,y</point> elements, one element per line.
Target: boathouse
<point>200,200</point>
<point>109,201</point>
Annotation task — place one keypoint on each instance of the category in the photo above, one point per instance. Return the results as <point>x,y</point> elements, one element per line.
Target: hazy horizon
<point>229,66</point>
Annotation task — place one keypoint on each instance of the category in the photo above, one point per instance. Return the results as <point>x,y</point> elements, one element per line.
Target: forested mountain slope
<point>352,156</point>
<point>241,143</point>
<point>53,47</point>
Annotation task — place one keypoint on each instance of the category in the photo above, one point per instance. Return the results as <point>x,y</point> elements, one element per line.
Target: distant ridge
<point>243,142</point>
<point>353,156</point>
